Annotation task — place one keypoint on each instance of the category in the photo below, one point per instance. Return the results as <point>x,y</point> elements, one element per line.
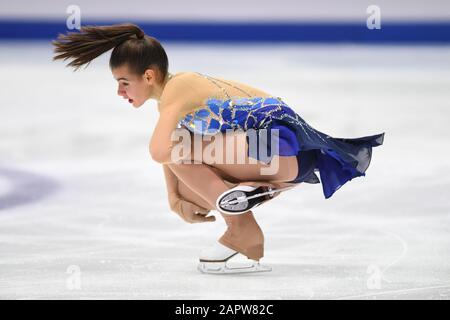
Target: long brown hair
<point>131,47</point>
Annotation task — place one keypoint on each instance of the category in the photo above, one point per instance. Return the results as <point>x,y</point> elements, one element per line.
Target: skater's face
<point>135,88</point>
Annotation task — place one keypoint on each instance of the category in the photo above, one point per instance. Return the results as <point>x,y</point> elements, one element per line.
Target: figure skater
<point>239,120</point>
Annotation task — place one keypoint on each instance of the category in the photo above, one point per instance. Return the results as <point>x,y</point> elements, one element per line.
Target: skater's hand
<point>192,213</point>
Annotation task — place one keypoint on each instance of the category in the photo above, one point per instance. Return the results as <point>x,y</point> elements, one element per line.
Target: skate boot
<point>243,240</point>
<point>243,198</point>
<point>215,260</point>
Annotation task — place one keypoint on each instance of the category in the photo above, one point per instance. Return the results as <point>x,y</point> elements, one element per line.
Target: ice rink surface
<point>83,210</point>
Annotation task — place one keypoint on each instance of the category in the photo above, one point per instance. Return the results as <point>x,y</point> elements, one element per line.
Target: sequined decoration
<point>219,115</point>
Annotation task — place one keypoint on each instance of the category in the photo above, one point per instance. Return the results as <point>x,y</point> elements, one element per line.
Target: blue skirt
<point>337,160</point>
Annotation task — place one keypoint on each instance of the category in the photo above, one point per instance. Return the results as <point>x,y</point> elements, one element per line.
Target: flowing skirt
<point>337,160</point>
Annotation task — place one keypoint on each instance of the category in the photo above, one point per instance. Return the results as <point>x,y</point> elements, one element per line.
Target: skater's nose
<point>121,92</point>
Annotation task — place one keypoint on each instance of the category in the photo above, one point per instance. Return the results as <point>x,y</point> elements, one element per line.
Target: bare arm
<point>177,99</point>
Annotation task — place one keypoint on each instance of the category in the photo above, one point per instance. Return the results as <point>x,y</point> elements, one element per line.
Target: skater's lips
<point>129,100</point>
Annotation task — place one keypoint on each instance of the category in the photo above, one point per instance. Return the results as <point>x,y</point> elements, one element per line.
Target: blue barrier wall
<point>280,21</point>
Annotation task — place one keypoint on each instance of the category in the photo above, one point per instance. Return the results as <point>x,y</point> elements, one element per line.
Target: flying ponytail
<point>130,46</point>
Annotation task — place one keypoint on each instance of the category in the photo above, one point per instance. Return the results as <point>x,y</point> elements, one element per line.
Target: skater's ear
<point>149,76</point>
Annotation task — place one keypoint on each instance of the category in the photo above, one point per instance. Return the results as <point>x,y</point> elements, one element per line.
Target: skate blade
<point>232,268</point>
<point>241,201</point>
<point>227,202</point>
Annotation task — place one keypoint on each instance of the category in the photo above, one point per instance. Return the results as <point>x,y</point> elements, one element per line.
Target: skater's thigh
<point>281,169</point>
<point>236,165</point>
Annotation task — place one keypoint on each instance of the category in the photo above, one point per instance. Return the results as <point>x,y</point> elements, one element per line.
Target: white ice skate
<point>243,198</point>
<point>215,260</point>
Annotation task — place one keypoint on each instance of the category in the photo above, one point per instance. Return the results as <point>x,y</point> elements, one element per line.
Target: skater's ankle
<point>253,252</point>
<point>243,222</point>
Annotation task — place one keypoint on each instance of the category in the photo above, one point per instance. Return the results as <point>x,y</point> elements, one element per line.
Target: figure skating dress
<point>337,160</point>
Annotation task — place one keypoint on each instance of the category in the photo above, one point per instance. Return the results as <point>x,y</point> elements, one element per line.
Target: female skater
<point>261,146</point>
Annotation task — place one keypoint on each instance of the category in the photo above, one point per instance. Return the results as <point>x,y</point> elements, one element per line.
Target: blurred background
<point>243,21</point>
<point>83,209</point>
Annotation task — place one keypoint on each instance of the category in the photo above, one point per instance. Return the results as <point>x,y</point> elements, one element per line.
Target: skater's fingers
<point>203,218</point>
<point>193,213</point>
<point>210,219</point>
<point>200,210</point>
<point>204,212</point>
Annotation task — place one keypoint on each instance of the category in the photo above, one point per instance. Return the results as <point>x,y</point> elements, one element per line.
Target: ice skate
<point>243,198</point>
<point>215,260</point>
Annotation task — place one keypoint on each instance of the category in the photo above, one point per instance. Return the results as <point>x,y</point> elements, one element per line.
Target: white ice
<point>83,210</point>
